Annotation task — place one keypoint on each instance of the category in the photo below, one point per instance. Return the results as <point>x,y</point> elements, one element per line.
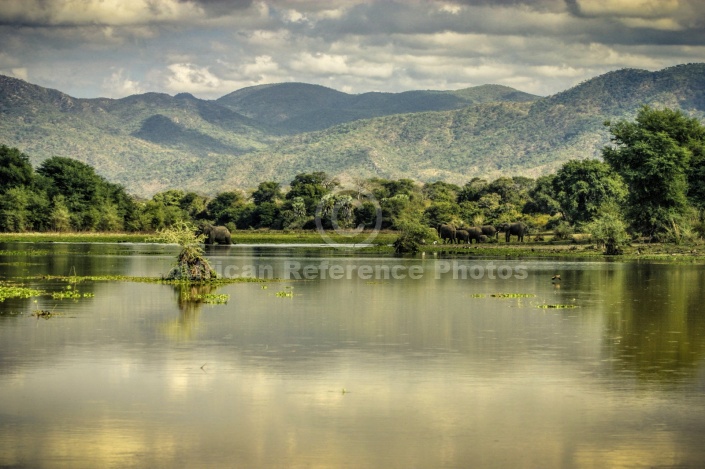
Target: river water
<point>345,360</point>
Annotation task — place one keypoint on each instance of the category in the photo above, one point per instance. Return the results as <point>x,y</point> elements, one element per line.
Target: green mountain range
<point>152,142</point>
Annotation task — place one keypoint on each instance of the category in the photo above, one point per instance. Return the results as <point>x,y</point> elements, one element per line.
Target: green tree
<point>412,235</point>
<point>294,215</point>
<point>15,169</point>
<point>659,156</point>
<point>194,205</point>
<point>87,195</point>
<point>511,191</point>
<point>365,214</point>
<point>267,192</point>
<point>225,207</point>
<point>441,212</point>
<point>310,187</point>
<point>266,215</point>
<point>440,191</point>
<point>542,198</point>
<point>336,208</point>
<point>60,218</point>
<point>14,214</point>
<point>473,190</point>
<point>581,187</point>
<point>387,188</point>
<point>609,230</point>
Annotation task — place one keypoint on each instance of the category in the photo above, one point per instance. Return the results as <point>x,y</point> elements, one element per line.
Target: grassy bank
<point>383,240</point>
<point>238,237</point>
<point>77,237</point>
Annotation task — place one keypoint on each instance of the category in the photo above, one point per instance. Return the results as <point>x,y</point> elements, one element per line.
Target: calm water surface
<point>424,372</point>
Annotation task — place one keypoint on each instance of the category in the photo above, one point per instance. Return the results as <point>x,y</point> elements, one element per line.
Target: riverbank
<point>382,238</point>
<point>581,248</point>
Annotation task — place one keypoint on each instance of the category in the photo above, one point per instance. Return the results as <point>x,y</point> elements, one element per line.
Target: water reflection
<point>184,327</point>
<point>431,372</point>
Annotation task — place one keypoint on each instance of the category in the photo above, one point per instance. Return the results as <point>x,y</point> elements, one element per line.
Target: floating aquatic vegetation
<point>126,278</point>
<point>208,298</point>
<point>285,294</point>
<point>70,293</point>
<point>30,252</point>
<point>513,295</point>
<point>16,291</point>
<point>557,306</point>
<point>477,295</point>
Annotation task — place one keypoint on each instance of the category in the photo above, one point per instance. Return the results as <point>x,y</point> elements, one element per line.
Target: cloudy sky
<point>114,48</point>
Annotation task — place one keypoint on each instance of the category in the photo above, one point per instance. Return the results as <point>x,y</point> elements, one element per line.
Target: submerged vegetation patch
<point>45,314</point>
<point>513,295</point>
<point>160,280</point>
<point>556,306</point>
<point>208,298</point>
<point>29,252</point>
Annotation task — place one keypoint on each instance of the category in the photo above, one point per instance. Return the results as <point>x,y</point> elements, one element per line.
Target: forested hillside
<point>153,142</point>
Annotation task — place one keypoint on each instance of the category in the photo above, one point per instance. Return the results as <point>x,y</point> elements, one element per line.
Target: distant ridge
<point>152,142</point>
<point>300,107</point>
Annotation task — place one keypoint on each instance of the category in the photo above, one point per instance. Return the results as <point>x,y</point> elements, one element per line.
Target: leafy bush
<point>190,265</point>
<point>609,230</point>
<point>412,236</point>
<point>563,230</point>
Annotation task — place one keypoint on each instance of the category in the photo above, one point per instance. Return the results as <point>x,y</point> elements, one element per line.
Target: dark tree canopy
<point>267,192</point>
<point>660,157</point>
<point>582,188</point>
<point>15,169</point>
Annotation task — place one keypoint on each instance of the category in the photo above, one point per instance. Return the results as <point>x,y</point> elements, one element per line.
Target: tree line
<point>649,184</point>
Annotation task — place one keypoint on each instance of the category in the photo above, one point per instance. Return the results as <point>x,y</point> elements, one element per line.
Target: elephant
<point>483,239</point>
<point>462,236</point>
<point>490,231</point>
<point>517,229</point>
<point>474,234</point>
<point>446,232</point>
<point>216,234</point>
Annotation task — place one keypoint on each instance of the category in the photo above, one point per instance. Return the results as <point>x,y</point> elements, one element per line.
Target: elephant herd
<point>466,235</point>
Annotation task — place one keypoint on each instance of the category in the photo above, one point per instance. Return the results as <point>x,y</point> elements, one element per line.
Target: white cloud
<point>17,72</point>
<point>262,65</point>
<point>118,85</point>
<point>92,47</point>
<point>320,63</point>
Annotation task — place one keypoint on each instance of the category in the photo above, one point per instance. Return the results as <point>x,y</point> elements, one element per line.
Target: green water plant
<point>70,293</point>
<point>208,298</point>
<point>191,265</point>
<point>18,291</point>
<point>512,295</point>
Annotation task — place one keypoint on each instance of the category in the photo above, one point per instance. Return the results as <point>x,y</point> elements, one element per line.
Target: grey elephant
<point>462,236</point>
<point>474,234</point>
<point>517,229</point>
<point>216,234</point>
<point>490,231</point>
<point>483,239</point>
<point>446,232</point>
